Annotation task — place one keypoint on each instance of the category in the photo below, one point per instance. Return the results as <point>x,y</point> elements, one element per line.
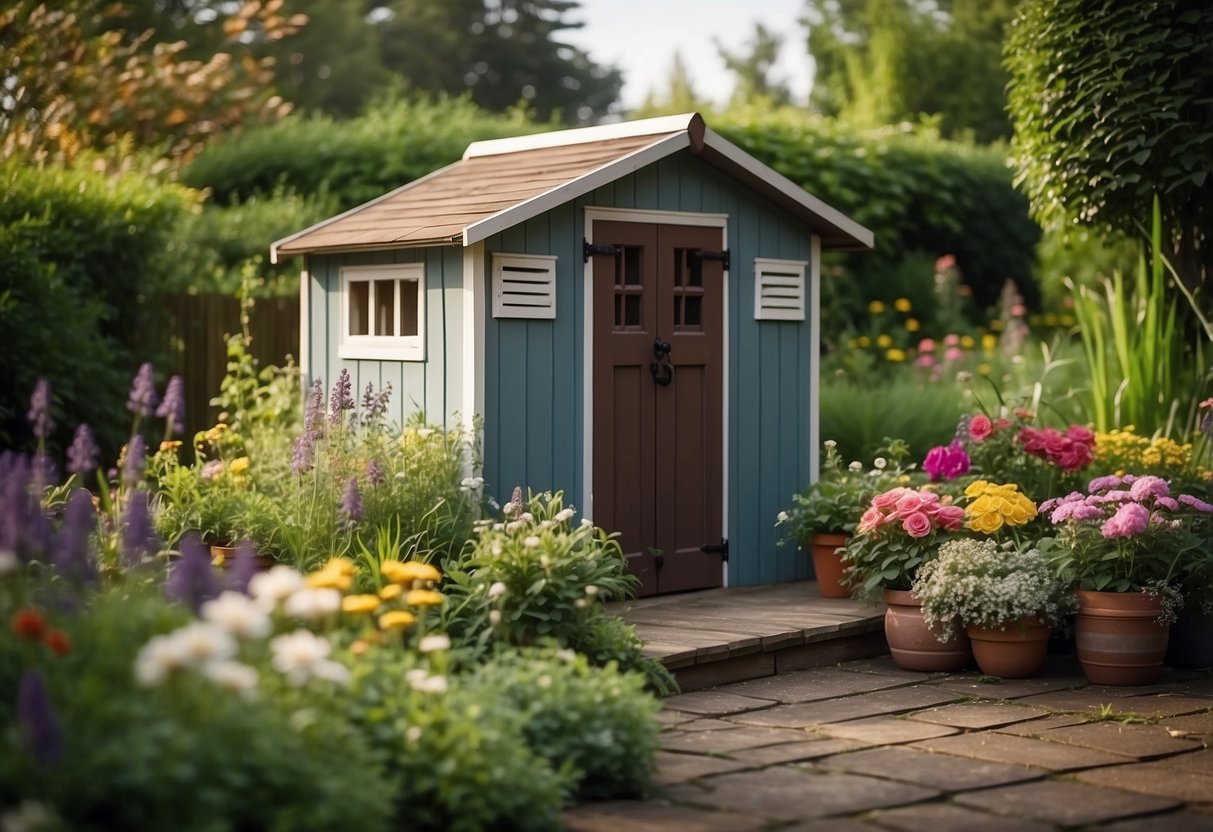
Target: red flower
<point>980,427</point>
<point>28,623</point>
<point>58,642</point>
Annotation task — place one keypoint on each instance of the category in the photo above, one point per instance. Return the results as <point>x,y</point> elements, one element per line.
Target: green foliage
<point>917,192</point>
<point>1083,161</point>
<point>608,639</point>
<point>393,143</point>
<point>859,416</point>
<point>596,721</point>
<point>80,260</point>
<point>833,503</point>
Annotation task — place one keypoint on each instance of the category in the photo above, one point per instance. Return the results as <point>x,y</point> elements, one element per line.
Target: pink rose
<point>917,525</point>
<point>871,519</point>
<point>950,518</point>
<point>915,502</point>
<point>1082,434</point>
<point>980,427</point>
<point>889,498</point>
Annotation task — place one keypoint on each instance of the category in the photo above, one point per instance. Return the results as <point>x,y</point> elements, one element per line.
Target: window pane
<point>408,307</point>
<point>359,305</point>
<point>385,307</point>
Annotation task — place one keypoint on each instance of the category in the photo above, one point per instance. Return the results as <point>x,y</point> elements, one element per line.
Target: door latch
<point>721,548</point>
<point>661,368</point>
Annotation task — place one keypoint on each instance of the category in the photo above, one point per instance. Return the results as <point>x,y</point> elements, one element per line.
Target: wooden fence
<point>199,327</point>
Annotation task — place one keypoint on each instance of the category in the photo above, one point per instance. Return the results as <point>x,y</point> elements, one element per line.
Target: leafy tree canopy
<point>753,69</point>
<point>1112,104</point>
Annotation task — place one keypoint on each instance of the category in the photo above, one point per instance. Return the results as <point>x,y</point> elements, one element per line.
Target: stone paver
<point>792,752</point>
<point>1063,802</point>
<point>679,768</point>
<point>945,817</point>
<point>635,816</point>
<point>1182,821</point>
<point>1195,725</point>
<point>791,793</point>
<point>938,771</point>
<point>1040,727</point>
<point>850,707</point>
<point>885,730</point>
<point>1121,702</point>
<point>1164,778</point>
<point>813,685</point>
<point>722,742</point>
<point>714,703</point>
<point>1141,742</point>
<point>978,714</point>
<point>1006,748</point>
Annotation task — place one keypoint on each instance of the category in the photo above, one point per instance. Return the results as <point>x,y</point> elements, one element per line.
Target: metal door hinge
<point>721,548</point>
<point>589,249</point>
<point>722,256</point>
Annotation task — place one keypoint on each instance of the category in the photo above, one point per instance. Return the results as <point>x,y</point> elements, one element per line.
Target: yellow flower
<point>884,342</point>
<point>340,565</point>
<point>895,354</point>
<point>984,369</point>
<point>976,487</point>
<point>170,445</point>
<point>864,341</point>
<point>329,579</point>
<point>360,604</point>
<point>407,573</point>
<point>1051,319</point>
<point>216,432</point>
<point>396,620</point>
<point>239,465</point>
<point>423,598</point>
<point>912,325</point>
<point>391,592</point>
<point>995,505</point>
<point>989,342</point>
<point>966,342</point>
<point>902,305</point>
<point>997,325</point>
<point>876,307</point>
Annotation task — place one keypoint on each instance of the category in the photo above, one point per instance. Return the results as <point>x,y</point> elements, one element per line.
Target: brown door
<point>658,353</point>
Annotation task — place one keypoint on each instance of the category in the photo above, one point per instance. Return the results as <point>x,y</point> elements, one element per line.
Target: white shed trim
<point>580,135</point>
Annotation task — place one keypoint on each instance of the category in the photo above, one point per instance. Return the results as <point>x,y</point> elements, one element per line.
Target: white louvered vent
<point>524,286</point>
<point>779,290</point>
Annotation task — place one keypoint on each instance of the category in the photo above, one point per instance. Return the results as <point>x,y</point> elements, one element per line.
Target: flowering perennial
<point>994,506</point>
<point>1070,451</point>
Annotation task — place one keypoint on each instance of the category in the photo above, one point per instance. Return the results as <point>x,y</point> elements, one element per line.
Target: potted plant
<point>1005,595</point>
<point>1126,546</point>
<point>824,515</point>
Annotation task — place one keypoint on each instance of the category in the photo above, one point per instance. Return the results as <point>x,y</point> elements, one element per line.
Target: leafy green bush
<point>859,417</point>
<point>596,720</point>
<point>607,639</point>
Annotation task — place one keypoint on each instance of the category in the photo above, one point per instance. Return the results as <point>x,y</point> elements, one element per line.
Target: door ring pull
<point>661,368</point>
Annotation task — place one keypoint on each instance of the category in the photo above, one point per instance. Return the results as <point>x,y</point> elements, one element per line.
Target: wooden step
<point>719,636</point>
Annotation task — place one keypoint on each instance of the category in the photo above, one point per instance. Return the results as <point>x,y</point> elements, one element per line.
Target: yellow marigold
<point>895,354</point>
<point>423,598</point>
<point>360,604</point>
<point>884,341</point>
<point>215,433</point>
<point>989,342</point>
<point>396,620</point>
<point>340,565</point>
<point>239,465</point>
<point>902,305</point>
<point>170,445</point>
<point>329,579</point>
<point>413,570</point>
<point>392,570</point>
<point>967,342</point>
<point>876,307</point>
<point>912,325</point>
<point>391,592</point>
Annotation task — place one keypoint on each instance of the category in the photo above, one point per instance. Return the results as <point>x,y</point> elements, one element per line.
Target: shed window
<point>779,290</point>
<point>383,312</point>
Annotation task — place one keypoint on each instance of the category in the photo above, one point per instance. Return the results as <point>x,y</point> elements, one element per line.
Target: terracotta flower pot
<point>223,556</point>
<point>1014,652</point>
<point>913,644</point>
<point>1118,637</point>
<point>827,564</point>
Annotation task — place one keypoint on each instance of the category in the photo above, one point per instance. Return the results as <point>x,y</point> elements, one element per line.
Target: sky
<point>640,37</point>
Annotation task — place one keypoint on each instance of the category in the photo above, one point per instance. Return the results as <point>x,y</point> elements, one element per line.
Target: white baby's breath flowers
<point>232,676</point>
<point>273,587</point>
<point>312,603</point>
<point>435,642</point>
<point>238,614</point>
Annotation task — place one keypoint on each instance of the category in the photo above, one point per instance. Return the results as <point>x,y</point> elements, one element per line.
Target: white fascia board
<point>579,135</point>
<point>569,191</point>
<point>788,188</point>
<point>274,246</point>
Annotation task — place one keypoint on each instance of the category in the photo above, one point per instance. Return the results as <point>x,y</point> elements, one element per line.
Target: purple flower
<point>172,409</point>
<point>139,538</point>
<point>315,406</point>
<point>41,732</point>
<point>244,567</point>
<point>1103,483</point>
<point>1149,486</point>
<point>301,459</point>
<point>24,529</point>
<point>42,470</point>
<point>136,461</point>
<point>82,455</point>
<point>1168,503</point>
<point>192,580</point>
<point>375,405</point>
<point>351,502</point>
<point>374,472</point>
<point>368,397</point>
<point>1196,503</point>
<point>211,469</point>
<point>340,400</point>
<point>143,398</point>
<point>946,461</point>
<point>40,409</point>
<point>72,545</point>
<point>1130,520</point>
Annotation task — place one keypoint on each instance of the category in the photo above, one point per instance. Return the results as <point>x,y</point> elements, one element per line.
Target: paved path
<point>864,745</point>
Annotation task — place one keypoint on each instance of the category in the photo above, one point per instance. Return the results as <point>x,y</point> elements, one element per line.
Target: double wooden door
<point>658,300</point>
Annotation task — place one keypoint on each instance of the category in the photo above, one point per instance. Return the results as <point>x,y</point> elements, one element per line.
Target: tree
<point>679,95</point>
<point>503,52</point>
<point>884,61</point>
<point>75,79</point>
<point>753,69</point>
<point>1112,104</point>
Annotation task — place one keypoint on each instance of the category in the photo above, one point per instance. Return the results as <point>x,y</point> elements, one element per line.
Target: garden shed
<point>632,308</point>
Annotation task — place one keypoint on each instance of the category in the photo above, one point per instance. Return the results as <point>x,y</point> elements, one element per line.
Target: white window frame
<point>543,269</point>
<point>765,268</point>
<point>383,347</point>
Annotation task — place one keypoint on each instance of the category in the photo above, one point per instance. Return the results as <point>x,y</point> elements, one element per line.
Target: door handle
<point>661,368</point>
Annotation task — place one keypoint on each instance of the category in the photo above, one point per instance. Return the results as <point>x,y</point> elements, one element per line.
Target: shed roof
<point>502,182</point>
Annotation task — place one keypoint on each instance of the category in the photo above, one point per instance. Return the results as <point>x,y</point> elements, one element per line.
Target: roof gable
<point>502,182</point>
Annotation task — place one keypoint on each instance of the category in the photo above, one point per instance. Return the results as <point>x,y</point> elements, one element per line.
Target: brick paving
<point>863,745</point>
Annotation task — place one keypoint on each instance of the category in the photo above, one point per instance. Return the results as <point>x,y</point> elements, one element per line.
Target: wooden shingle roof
<point>500,183</point>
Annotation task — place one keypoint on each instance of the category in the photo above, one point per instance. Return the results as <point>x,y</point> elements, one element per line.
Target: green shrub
<point>596,720</point>
<point>607,639</point>
<point>859,417</point>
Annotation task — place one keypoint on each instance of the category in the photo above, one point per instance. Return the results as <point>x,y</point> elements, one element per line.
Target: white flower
<point>157,660</point>
<point>296,655</point>
<point>544,681</point>
<point>8,561</point>
<point>497,589</point>
<point>830,444</point>
<point>526,517</point>
<point>413,733</point>
<point>780,518</point>
<point>530,541</point>
<point>580,603</point>
<point>436,642</point>
<point>313,603</point>
<point>494,617</point>
<point>272,587</point>
<point>879,463</point>
<point>425,433</point>
<point>331,671</point>
<point>564,515</point>
<point>585,521</point>
<point>202,642</point>
<point>238,614</point>
<point>426,683</point>
<point>855,467</point>
<point>232,676</point>
<point>567,655</point>
<point>591,590</point>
